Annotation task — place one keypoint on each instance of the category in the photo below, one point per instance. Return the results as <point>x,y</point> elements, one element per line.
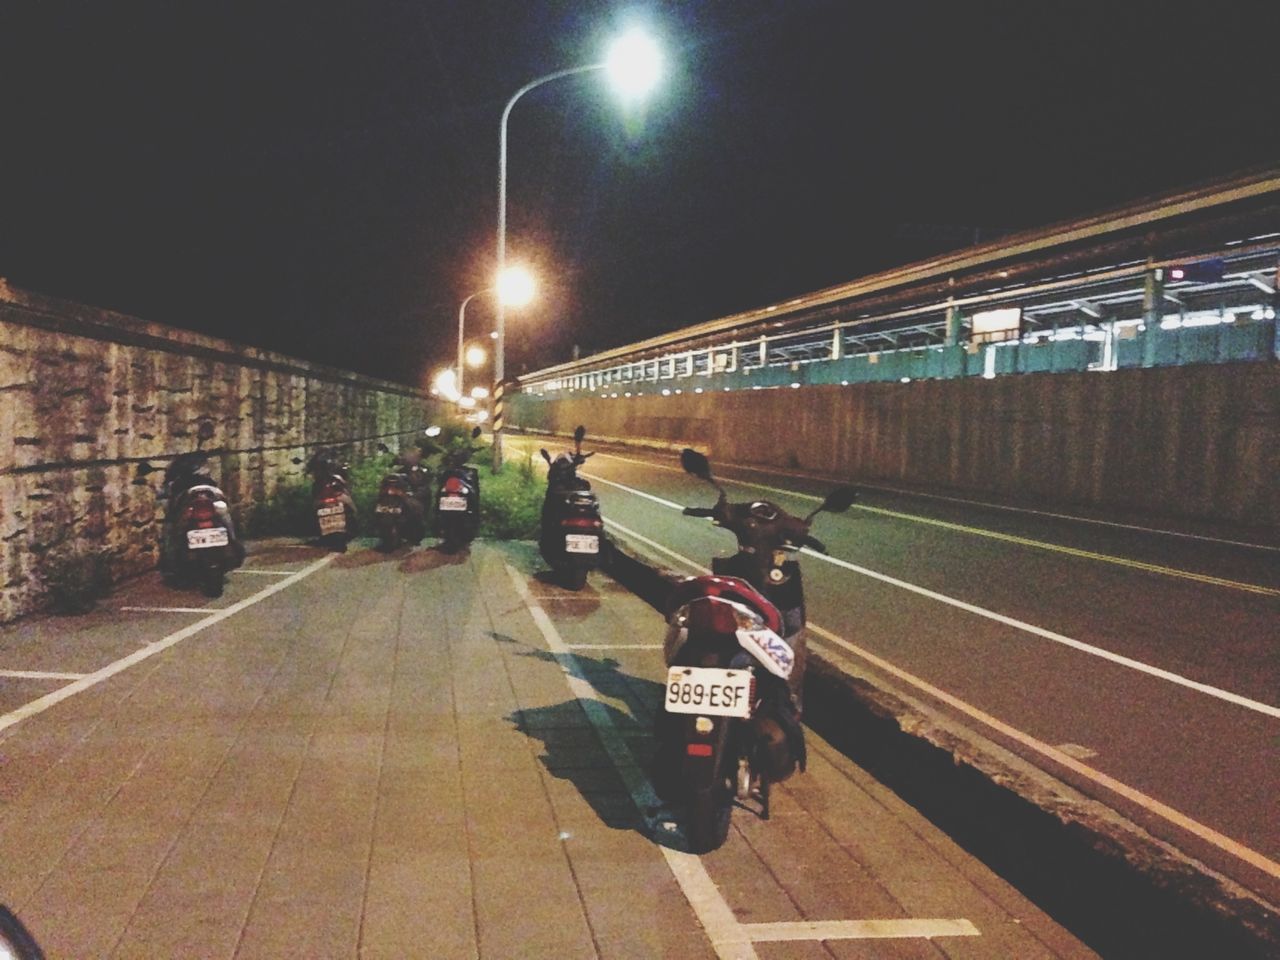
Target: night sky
<point>320,178</point>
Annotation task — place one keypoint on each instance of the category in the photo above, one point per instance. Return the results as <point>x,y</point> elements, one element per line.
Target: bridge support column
<point>1152,312</point>
<point>953,325</point>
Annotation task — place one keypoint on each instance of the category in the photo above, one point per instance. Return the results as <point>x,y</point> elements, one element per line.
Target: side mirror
<point>145,469</point>
<point>475,433</point>
<point>297,461</point>
<point>840,499</point>
<point>696,464</point>
<point>546,456</point>
<point>15,940</point>
<point>204,432</point>
<point>383,448</point>
<point>579,433</point>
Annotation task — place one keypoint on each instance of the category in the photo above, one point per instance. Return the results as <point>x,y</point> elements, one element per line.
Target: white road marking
<point>39,675</point>
<point>1132,664</point>
<point>1007,538</point>
<point>731,939</point>
<point>14,717</point>
<point>970,503</point>
<point>1148,803</point>
<point>858,930</point>
<point>164,609</point>
<point>266,573</point>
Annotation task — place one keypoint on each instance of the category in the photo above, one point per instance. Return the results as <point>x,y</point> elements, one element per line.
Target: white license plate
<point>453,503</point>
<point>213,537</point>
<point>330,511</point>
<point>581,543</point>
<point>386,508</point>
<point>709,691</point>
<point>332,523</point>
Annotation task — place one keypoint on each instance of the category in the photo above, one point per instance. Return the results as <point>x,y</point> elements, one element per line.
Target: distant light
<point>479,392</point>
<point>795,386</point>
<point>679,391</point>
<point>905,380</point>
<point>698,390</point>
<point>770,309</point>
<point>493,335</point>
<point>475,356</point>
<point>844,383</point>
<point>666,392</point>
<point>627,394</point>
<point>432,431</point>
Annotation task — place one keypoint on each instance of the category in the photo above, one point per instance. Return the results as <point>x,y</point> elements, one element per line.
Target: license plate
<point>453,503</point>
<point>330,510</point>
<point>709,691</point>
<point>213,537</point>
<point>581,543</point>
<point>386,508</point>
<point>332,523</point>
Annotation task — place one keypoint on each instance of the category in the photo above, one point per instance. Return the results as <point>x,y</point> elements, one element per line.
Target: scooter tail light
<point>202,513</point>
<point>454,486</point>
<point>698,749</point>
<point>712,615</point>
<point>583,523</point>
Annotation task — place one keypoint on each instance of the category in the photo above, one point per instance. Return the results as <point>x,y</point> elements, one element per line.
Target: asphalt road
<point>1140,665</point>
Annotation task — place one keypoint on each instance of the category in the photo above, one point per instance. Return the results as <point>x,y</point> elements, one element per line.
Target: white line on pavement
<point>1005,537</point>
<point>164,609</point>
<point>858,929</point>
<point>1148,803</point>
<point>266,573</point>
<point>39,675</point>
<point>1132,664</point>
<point>731,939</point>
<point>970,503</point>
<point>42,704</point>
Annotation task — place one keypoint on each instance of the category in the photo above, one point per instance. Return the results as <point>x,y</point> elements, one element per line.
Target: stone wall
<point>1195,442</point>
<point>87,395</point>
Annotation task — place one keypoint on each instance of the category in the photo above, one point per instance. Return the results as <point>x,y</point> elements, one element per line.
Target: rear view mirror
<point>579,433</point>
<point>144,469</point>
<point>204,432</point>
<point>383,448</point>
<point>475,433</point>
<point>840,499</point>
<point>695,463</point>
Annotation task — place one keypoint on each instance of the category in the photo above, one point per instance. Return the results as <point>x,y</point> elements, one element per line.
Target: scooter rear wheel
<point>710,810</point>
<point>212,581</point>
<point>575,578</point>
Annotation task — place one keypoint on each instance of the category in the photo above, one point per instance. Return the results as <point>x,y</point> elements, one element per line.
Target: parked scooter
<point>198,539</point>
<point>571,533</point>
<point>730,724</point>
<point>458,497</point>
<point>335,510</point>
<point>400,513</point>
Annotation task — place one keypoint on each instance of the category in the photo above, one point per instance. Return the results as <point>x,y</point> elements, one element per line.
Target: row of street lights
<point>633,65</point>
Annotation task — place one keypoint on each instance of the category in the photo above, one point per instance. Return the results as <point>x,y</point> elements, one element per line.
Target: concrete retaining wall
<point>86,395</point>
<point>1198,442</point>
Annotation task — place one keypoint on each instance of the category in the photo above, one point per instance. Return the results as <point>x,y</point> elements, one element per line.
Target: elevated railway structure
<point>1180,279</point>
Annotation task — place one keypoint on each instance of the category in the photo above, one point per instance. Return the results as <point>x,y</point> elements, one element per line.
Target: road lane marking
<point>970,503</point>
<point>1132,664</point>
<point>266,573</point>
<point>164,609</point>
<point>14,717</point>
<point>857,930</point>
<point>1006,537</point>
<point>731,939</point>
<point>1137,797</point>
<point>40,675</point>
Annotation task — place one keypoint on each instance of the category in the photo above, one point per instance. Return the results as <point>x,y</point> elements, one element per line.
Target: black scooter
<point>571,536</point>
<point>198,541</point>
<point>458,498</point>
<point>400,512</point>
<point>730,723</point>
<point>335,510</point>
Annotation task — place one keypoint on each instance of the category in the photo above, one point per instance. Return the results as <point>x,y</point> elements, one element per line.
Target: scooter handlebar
<point>813,543</point>
<point>699,512</point>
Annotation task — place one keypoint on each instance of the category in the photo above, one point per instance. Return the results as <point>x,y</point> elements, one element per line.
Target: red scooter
<point>735,652</point>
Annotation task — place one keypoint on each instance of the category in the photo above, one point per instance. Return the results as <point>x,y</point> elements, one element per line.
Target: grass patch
<point>76,578</point>
<point>510,502</point>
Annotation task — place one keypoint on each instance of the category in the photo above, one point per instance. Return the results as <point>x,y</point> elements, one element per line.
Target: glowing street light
<point>634,65</point>
<point>476,356</point>
<point>515,287</point>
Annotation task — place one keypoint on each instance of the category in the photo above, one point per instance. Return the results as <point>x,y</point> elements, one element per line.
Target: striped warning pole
<point>497,425</point>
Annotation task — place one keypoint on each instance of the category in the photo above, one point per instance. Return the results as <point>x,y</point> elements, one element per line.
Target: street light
<point>514,286</point>
<point>633,64</point>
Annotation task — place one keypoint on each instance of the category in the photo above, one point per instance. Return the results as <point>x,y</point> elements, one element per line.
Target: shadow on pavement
<point>433,558</point>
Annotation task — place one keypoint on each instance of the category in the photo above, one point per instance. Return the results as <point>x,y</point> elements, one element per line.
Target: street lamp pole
<point>499,370</point>
<point>462,313</point>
